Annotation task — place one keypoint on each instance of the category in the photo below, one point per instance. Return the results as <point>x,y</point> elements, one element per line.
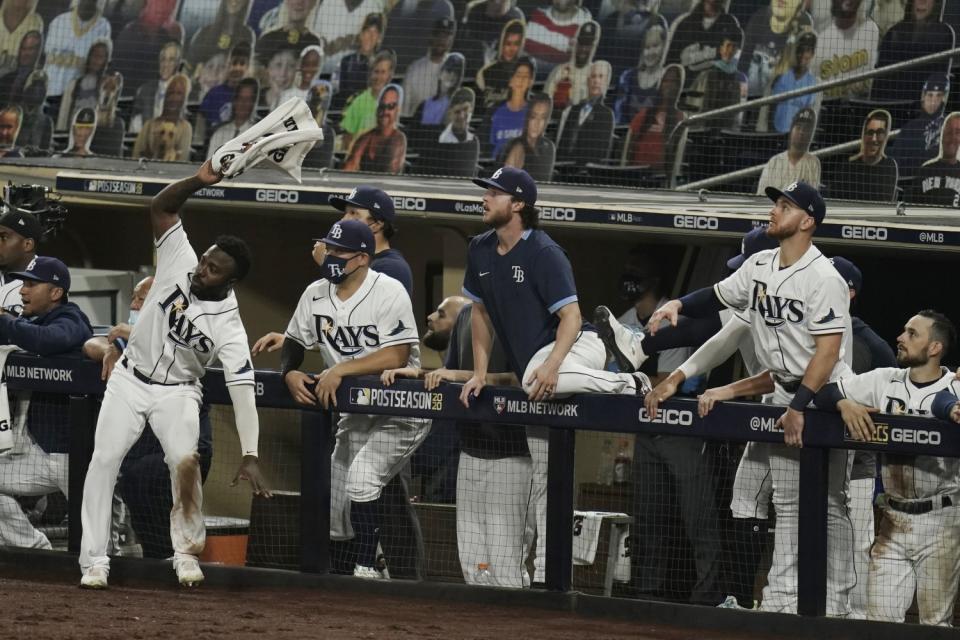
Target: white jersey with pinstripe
<point>10,295</point>
<point>379,314</point>
<point>787,308</point>
<point>891,391</point>
<point>177,335</point>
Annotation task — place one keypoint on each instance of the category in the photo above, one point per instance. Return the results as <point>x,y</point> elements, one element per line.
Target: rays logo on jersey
<point>775,310</point>
<point>182,330</point>
<point>347,340</point>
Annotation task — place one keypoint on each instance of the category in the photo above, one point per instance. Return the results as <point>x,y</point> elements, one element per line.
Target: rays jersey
<point>10,295</point>
<point>787,308</point>
<point>177,335</point>
<point>379,314</point>
<point>905,476</point>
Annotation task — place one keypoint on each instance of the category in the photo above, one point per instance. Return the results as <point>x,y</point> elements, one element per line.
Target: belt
<point>145,378</point>
<point>918,507</point>
<point>788,385</point>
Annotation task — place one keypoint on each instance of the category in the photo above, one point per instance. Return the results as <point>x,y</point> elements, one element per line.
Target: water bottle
<point>605,468</point>
<point>623,463</point>
<point>482,575</point>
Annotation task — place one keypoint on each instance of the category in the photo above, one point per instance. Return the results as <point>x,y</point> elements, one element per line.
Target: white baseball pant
<point>860,505</point>
<point>493,501</point>
<point>370,450</point>
<point>582,371</point>
<point>780,593</point>
<point>915,553</point>
<point>752,485</point>
<point>30,472</point>
<point>173,413</point>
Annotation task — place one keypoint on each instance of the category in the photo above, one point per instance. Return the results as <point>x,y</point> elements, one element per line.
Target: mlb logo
<point>500,404</point>
<point>360,396</point>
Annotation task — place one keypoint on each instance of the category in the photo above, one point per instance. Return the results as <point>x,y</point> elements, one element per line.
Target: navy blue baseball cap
<point>804,196</point>
<point>849,272</point>
<point>937,82</point>
<point>755,240</point>
<point>351,235</point>
<point>374,200</point>
<point>44,269</point>
<point>516,182</point>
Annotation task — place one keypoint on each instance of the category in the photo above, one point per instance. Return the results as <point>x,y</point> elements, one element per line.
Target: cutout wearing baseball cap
<point>513,181</point>
<point>804,196</point>
<point>46,269</point>
<point>377,202</point>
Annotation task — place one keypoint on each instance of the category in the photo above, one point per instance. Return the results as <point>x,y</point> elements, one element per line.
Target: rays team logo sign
<point>181,330</point>
<point>775,310</point>
<point>347,340</point>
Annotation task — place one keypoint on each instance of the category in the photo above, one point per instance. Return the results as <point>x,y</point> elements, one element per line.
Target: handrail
<point>756,169</point>
<point>794,93</point>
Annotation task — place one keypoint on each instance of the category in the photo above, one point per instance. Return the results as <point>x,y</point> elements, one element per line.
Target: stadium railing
<point>730,421</point>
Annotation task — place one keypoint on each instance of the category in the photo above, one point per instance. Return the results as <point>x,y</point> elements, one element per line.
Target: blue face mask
<point>335,269</point>
<point>132,319</point>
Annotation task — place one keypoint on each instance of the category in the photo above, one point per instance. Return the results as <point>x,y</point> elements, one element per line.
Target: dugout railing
<point>730,421</point>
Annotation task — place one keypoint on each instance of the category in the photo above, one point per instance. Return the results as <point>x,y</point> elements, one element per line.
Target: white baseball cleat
<point>625,345</point>
<point>367,573</point>
<point>188,571</point>
<point>94,578</point>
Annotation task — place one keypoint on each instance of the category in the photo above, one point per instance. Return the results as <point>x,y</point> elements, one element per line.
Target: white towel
<point>284,137</point>
<point>7,426</point>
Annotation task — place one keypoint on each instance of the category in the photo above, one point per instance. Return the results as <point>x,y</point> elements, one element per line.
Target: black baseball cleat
<point>625,345</point>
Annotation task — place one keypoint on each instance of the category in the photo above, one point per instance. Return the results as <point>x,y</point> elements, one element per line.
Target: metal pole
<point>315,436</point>
<point>559,546</point>
<point>812,532</point>
<point>83,427</point>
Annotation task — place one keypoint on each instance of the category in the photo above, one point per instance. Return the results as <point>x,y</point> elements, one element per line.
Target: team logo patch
<point>518,275</point>
<point>360,396</point>
<point>181,329</point>
<point>827,318</point>
<point>336,231</point>
<point>499,404</point>
<point>398,329</point>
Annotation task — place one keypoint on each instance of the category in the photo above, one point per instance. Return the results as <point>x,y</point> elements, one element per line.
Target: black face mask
<point>334,269</point>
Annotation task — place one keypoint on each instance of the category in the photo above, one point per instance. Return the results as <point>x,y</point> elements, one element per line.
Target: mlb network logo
<point>360,396</point>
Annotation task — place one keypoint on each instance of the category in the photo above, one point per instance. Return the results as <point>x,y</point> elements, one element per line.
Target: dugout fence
<point>311,545</point>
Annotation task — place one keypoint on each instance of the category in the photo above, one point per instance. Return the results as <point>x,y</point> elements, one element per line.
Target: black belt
<point>145,378</point>
<point>790,386</point>
<point>918,507</point>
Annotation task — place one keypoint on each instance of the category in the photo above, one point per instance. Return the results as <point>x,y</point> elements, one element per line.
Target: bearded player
<point>189,321</point>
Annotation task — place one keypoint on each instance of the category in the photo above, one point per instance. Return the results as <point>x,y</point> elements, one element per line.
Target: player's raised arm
<point>165,206</point>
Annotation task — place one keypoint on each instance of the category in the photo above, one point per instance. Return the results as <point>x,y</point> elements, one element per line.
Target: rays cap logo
<point>513,181</point>
<point>374,200</point>
<point>351,235</point>
<point>46,269</point>
<point>804,196</point>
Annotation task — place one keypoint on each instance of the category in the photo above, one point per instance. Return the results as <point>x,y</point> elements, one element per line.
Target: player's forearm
<point>482,339</point>
<point>818,371</point>
<point>245,411</point>
<point>753,386</point>
<point>569,328</point>
<point>165,206</point>
<point>700,303</point>
<point>291,357</point>
<point>392,357</point>
<point>716,350</point>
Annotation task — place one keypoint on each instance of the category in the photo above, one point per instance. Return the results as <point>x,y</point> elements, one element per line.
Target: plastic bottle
<point>623,463</point>
<point>605,468</point>
<point>482,575</point>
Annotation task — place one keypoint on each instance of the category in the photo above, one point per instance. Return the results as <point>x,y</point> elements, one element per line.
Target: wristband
<point>803,397</point>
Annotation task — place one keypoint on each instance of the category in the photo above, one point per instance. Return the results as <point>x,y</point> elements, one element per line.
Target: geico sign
<point>681,417</point>
<point>409,203</point>
<point>863,233</point>
<point>917,436</point>
<point>277,195</point>
<point>558,213</point>
<point>695,222</point>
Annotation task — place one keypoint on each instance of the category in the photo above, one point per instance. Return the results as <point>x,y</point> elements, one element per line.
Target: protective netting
<point>593,91</point>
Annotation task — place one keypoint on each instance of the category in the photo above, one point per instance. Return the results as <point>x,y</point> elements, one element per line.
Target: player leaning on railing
<point>189,320</point>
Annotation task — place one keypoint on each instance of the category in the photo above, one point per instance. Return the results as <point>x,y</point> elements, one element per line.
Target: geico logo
<point>918,436</point>
<point>695,222</point>
<point>668,416</point>
<point>558,213</point>
<point>408,203</point>
<point>863,233</point>
<point>277,195</point>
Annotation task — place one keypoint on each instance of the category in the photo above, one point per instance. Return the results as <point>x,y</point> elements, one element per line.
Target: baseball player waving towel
<point>189,321</point>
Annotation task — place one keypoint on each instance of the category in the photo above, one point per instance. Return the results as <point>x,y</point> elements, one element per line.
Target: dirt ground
<point>51,611</point>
